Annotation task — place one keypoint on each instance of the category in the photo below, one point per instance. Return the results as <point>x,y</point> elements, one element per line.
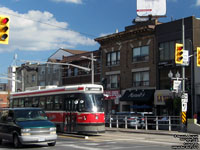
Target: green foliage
<point>173,106</point>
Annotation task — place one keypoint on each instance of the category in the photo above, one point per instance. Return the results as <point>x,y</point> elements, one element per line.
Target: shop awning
<point>138,96</point>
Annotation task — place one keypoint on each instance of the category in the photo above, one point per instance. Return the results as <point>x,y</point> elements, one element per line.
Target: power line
<point>94,36</point>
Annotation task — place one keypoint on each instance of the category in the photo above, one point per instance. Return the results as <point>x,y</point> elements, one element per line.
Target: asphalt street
<point>109,141</point>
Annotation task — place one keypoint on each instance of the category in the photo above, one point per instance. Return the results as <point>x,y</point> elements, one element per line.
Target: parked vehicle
<point>26,126</point>
<point>133,119</point>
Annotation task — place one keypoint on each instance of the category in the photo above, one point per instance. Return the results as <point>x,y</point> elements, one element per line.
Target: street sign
<point>184,107</point>
<point>184,98</point>
<point>185,57</point>
<point>176,85</point>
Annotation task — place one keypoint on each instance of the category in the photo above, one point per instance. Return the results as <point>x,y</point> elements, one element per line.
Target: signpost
<point>177,85</point>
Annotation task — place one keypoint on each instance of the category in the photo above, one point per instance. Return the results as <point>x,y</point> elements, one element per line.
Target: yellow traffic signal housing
<point>4,29</point>
<point>179,53</point>
<point>198,56</point>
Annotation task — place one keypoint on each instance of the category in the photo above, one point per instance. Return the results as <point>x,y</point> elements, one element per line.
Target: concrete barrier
<point>192,126</point>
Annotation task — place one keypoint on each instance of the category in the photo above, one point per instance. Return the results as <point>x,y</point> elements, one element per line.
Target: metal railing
<point>171,123</point>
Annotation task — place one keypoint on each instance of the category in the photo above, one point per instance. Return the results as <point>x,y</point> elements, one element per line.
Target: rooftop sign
<point>151,7</point>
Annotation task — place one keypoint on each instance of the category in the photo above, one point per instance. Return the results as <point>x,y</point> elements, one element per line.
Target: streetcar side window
<point>49,103</point>
<point>42,102</point>
<point>58,103</point>
<point>15,102</point>
<point>35,102</point>
<point>21,102</point>
<point>28,102</point>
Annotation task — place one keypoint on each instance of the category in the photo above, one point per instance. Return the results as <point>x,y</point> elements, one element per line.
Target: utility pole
<point>92,67</point>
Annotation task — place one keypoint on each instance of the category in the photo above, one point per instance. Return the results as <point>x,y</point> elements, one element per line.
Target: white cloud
<point>69,1</point>
<point>40,31</point>
<point>198,3</point>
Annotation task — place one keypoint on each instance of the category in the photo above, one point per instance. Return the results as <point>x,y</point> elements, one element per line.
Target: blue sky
<point>38,28</point>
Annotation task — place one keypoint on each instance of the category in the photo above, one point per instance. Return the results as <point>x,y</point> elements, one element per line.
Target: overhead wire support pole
<point>64,64</point>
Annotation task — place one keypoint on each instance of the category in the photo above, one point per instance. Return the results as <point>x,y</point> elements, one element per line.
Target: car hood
<point>35,124</point>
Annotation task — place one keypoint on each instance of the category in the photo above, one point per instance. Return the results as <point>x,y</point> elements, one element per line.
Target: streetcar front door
<point>70,118</point>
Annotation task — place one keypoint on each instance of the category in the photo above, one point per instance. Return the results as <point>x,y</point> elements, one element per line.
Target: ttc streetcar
<point>74,109</point>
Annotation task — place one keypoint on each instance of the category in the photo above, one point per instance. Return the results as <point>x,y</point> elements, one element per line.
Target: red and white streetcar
<point>77,108</point>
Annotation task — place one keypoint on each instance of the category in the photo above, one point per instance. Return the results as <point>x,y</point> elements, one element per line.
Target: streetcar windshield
<point>30,115</point>
<point>93,102</point>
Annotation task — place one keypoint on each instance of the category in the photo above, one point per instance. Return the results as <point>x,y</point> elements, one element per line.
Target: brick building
<point>74,75</point>
<point>129,67</point>
<point>4,99</point>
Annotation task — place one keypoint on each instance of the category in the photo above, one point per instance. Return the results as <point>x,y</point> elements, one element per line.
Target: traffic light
<point>179,53</point>
<point>4,29</point>
<point>198,56</point>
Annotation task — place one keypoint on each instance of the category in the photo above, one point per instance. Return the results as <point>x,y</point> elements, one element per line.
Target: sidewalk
<point>143,131</point>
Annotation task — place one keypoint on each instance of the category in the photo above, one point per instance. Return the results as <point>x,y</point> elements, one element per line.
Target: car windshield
<point>30,115</point>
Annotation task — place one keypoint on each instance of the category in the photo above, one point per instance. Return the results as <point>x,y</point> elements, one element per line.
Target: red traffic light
<point>179,47</point>
<point>5,20</point>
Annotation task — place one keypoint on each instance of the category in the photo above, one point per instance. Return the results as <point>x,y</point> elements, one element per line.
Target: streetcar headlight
<point>94,109</point>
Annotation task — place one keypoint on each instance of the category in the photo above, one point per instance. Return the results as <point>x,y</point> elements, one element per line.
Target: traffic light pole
<point>183,67</point>
<point>183,113</point>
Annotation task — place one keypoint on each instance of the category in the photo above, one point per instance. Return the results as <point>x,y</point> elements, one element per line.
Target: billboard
<point>151,7</point>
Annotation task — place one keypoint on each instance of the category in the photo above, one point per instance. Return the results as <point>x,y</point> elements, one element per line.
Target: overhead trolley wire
<point>86,34</point>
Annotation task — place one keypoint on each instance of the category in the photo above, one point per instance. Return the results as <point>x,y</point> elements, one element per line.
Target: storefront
<point>111,101</point>
<point>137,100</point>
<point>160,98</point>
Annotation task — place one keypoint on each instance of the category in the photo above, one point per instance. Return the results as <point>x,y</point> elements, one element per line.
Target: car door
<point>3,125</point>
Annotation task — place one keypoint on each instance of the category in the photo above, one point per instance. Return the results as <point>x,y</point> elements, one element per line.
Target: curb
<point>158,132</point>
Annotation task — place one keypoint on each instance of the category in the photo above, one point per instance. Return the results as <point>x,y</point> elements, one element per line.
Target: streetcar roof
<point>60,90</point>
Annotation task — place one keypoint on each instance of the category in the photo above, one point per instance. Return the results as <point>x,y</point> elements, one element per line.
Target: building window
<point>113,81</point>
<point>167,49</point>
<point>69,72</point>
<point>140,78</point>
<point>42,70</point>
<point>141,53</point>
<point>113,58</point>
<point>33,78</point>
<point>75,71</point>
<point>55,68</point>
